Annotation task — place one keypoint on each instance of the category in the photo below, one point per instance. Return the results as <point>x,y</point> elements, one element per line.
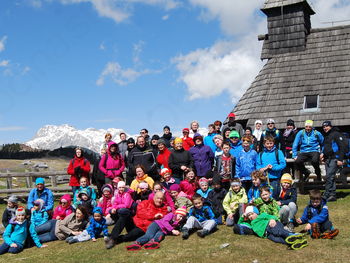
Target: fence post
<point>9,180</point>
<point>28,179</point>
<point>53,180</point>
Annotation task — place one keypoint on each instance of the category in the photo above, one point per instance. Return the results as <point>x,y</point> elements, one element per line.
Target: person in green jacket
<point>266,204</point>
<point>268,226</point>
<point>233,202</point>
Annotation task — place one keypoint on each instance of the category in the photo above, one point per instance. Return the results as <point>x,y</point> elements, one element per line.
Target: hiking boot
<point>185,233</point>
<point>299,244</point>
<point>289,227</point>
<point>151,245</point>
<point>202,233</point>
<point>330,234</point>
<point>134,246</point>
<point>109,243</point>
<point>331,199</point>
<point>294,238</point>
<point>315,230</point>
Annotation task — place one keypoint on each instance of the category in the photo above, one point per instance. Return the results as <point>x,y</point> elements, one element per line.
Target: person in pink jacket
<point>112,163</point>
<point>121,210</point>
<point>168,201</point>
<point>64,208</point>
<point>105,202</point>
<point>189,185</point>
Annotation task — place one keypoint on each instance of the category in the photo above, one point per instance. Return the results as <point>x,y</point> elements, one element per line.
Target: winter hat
<point>290,122</point>
<point>13,199</point>
<point>186,130</point>
<point>203,181</point>
<point>181,211</point>
<point>121,184</point>
<point>40,203</point>
<point>161,141</point>
<point>175,187</point>
<point>155,137</point>
<point>270,121</point>
<point>309,123</point>
<point>231,115</point>
<point>107,187</point>
<point>197,136</point>
<point>286,178</point>
<point>20,211</point>
<point>130,140</point>
<point>83,191</point>
<point>166,127</point>
<point>326,123</point>
<point>165,171</point>
<point>216,180</point>
<point>97,210</point>
<point>177,140</point>
<point>39,180</point>
<point>66,198</point>
<point>143,185</point>
<point>234,134</point>
<point>251,209</point>
<point>236,183</point>
<point>258,121</point>
<point>116,180</point>
<point>248,128</point>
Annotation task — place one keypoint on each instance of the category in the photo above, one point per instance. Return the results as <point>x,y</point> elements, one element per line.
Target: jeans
<point>4,248</point>
<point>277,233</point>
<point>153,232</point>
<point>330,186</point>
<point>46,231</point>
<point>287,212</point>
<point>122,216</point>
<point>132,235</point>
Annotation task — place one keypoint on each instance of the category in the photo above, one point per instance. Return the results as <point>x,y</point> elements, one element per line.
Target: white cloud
<point>35,3</point>
<point>12,128</point>
<point>121,76</point>
<point>4,63</point>
<point>137,50</point>
<point>25,70</point>
<point>102,46</point>
<point>2,43</point>
<point>165,17</point>
<point>120,10</point>
<point>328,11</point>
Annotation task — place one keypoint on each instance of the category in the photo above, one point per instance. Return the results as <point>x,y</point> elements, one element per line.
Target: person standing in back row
<point>232,125</point>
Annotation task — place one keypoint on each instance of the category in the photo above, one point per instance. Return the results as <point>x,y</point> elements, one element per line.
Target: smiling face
<point>20,218</point>
<point>121,189</point>
<point>123,137</point>
<point>194,126</point>
<point>79,215</point>
<point>179,217</point>
<point>198,203</point>
<point>158,199</point>
<point>139,172</point>
<point>78,153</point>
<point>236,188</point>
<point>308,128</point>
<point>265,196</point>
<point>218,143</point>
<point>83,182</point>
<point>204,187</point>
<point>167,177</point>
<point>141,141</point>
<point>316,202</point>
<point>246,145</point>
<point>174,194</point>
<point>256,181</point>
<point>252,216</point>
<point>161,147</point>
<point>234,140</point>
<point>269,145</point>
<point>97,217</point>
<point>178,146</point>
<point>190,176</point>
<point>286,185</point>
<point>40,187</point>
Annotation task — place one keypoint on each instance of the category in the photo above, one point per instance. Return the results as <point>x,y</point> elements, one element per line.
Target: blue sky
<point>127,63</point>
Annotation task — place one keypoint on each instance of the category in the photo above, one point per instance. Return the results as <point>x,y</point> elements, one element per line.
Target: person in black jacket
<point>179,161</point>
<point>143,155</point>
<point>167,135</point>
<point>216,197</point>
<point>98,177</point>
<point>10,211</point>
<point>333,156</point>
<point>287,144</point>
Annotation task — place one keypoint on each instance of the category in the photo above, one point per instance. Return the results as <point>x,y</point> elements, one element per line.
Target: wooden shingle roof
<point>322,68</point>
<point>277,3</point>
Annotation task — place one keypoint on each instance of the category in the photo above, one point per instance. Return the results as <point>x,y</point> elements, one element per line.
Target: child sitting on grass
<point>10,211</point>
<point>200,217</point>
<point>83,181</point>
<point>266,204</point>
<point>38,217</point>
<point>179,197</point>
<point>204,189</point>
<point>15,233</point>
<point>234,201</point>
<point>216,197</point>
<point>64,208</point>
<point>258,180</point>
<point>97,225</point>
<point>156,231</point>
<point>316,218</point>
<point>167,178</point>
<point>268,226</point>
<point>189,185</point>
<point>286,197</point>
<point>85,200</point>
<point>143,194</point>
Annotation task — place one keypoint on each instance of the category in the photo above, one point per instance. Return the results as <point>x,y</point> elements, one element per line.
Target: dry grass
<point>174,249</point>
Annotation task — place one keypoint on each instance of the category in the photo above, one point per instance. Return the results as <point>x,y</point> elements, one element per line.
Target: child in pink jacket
<point>64,208</point>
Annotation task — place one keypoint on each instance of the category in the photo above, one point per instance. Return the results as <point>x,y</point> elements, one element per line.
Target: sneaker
<point>294,238</point>
<point>185,233</point>
<point>202,233</point>
<point>330,234</point>
<point>68,239</point>
<point>72,241</point>
<point>299,244</point>
<point>134,246</point>
<point>109,243</point>
<point>151,245</point>
<point>289,227</point>
<point>315,230</point>
<point>331,199</point>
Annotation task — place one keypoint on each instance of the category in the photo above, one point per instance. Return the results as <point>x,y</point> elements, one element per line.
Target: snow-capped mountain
<point>51,137</point>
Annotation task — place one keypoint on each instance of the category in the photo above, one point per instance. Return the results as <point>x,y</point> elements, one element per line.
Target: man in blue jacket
<point>310,143</point>
<point>41,192</point>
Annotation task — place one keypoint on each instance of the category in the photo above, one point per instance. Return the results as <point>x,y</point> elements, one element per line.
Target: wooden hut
<point>307,73</point>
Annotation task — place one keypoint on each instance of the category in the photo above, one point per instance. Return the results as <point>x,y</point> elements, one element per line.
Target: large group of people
<point>160,185</point>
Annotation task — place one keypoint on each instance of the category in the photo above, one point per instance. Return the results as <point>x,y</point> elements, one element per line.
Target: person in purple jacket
<point>155,233</point>
<point>112,163</point>
<point>202,155</point>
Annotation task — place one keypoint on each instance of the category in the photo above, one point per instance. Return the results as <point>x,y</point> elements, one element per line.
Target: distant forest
<point>22,152</point>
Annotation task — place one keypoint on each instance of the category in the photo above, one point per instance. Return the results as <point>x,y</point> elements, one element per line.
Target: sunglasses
<point>270,123</point>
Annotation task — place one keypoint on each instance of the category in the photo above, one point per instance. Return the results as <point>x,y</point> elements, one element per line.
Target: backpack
<point>276,154</point>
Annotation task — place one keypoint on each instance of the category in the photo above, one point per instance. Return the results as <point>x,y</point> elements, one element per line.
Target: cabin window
<point>311,102</point>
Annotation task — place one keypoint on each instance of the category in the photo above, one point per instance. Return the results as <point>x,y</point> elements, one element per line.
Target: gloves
<point>77,170</point>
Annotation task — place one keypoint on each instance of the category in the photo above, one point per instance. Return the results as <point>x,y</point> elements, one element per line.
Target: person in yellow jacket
<point>233,202</point>
<point>141,176</point>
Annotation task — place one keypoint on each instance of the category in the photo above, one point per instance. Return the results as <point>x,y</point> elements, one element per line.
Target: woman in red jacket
<point>163,155</point>
<point>78,167</point>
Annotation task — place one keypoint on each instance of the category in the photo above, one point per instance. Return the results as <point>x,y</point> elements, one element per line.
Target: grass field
<point>174,249</point>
